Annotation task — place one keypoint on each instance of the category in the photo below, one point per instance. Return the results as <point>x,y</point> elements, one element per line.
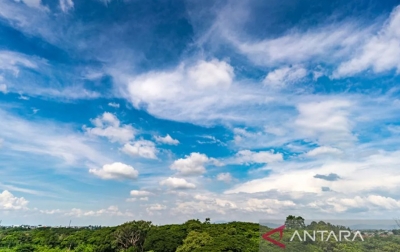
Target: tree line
<point>191,236</point>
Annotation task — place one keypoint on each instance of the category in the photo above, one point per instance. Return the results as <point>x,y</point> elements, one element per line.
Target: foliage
<point>132,234</point>
<point>193,236</point>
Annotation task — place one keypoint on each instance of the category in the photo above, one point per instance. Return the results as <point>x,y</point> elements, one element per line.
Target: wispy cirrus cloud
<point>379,53</point>
<point>22,136</point>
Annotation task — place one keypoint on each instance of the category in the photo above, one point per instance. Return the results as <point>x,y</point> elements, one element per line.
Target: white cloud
<point>9,202</point>
<point>157,87</point>
<point>355,174</point>
<point>11,61</point>
<point>15,63</point>
<point>261,157</point>
<point>267,205</point>
<point>156,207</point>
<point>167,140</point>
<point>323,150</point>
<point>284,76</point>
<point>369,202</point>
<point>216,162</point>
<point>226,177</point>
<point>3,88</point>
<point>136,193</point>
<point>208,206</point>
<point>108,125</point>
<point>380,52</point>
<point>191,165</point>
<point>141,148</point>
<point>278,131</point>
<point>394,129</point>
<point>50,139</point>
<point>23,97</point>
<point>211,74</point>
<point>321,44</point>
<point>354,46</point>
<point>113,104</point>
<point>212,140</point>
<point>110,211</point>
<point>327,121</point>
<point>32,3</point>
<point>228,204</point>
<point>190,92</point>
<point>51,212</point>
<point>177,183</point>
<point>66,5</point>
<point>116,171</point>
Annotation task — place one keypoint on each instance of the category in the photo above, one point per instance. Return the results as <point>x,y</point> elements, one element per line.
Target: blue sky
<point>113,110</point>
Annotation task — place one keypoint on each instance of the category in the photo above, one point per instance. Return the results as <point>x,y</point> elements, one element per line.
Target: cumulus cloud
<point>226,177</point>
<point>139,194</point>
<point>10,202</point>
<point>286,75</point>
<point>186,93</point>
<point>156,87</point>
<point>191,165</point>
<point>141,148</point>
<point>211,74</point>
<point>108,125</point>
<point>136,193</point>
<point>116,171</point>
<point>167,140</point>
<point>177,183</point>
<point>156,207</point>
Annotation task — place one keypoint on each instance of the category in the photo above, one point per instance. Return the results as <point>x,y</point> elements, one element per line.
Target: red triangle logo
<point>267,235</point>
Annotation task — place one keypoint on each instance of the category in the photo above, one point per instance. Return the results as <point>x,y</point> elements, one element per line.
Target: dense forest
<point>192,236</point>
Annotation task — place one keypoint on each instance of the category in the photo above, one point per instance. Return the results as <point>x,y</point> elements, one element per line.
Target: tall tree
<point>132,234</point>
